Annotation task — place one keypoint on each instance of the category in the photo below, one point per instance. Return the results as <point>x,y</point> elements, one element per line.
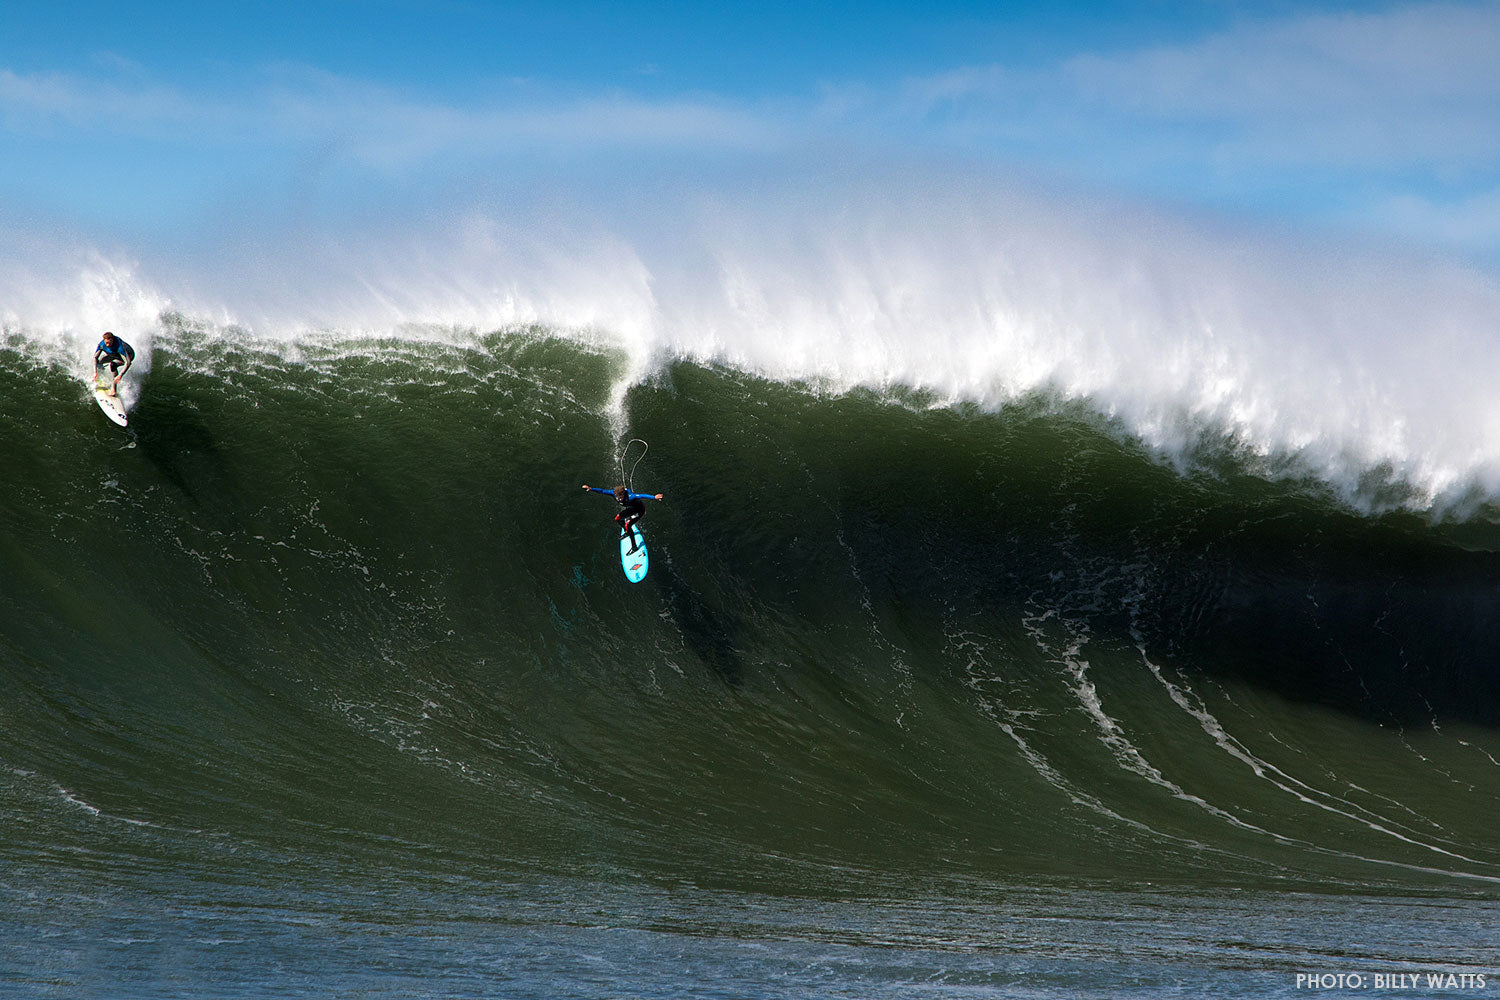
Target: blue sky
<point>169,118</point>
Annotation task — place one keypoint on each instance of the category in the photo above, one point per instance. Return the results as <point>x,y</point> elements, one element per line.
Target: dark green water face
<point>331,640</point>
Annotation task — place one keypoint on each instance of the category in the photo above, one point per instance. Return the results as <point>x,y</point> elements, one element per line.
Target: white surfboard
<point>109,399</point>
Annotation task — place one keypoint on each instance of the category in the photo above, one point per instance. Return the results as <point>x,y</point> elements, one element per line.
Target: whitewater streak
<point>1374,374</point>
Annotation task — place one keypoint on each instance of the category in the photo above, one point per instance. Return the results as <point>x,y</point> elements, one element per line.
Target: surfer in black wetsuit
<point>631,509</point>
<point>114,352</point>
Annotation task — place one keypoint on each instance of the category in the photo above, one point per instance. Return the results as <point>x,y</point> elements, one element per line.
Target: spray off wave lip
<point>1369,373</point>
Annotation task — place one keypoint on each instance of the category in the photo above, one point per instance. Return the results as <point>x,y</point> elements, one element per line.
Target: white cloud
<point>1470,222</point>
<point>371,122</point>
<point>1393,114</point>
<point>387,129</point>
<point>52,100</point>
<point>1414,85</point>
<point>1313,64</point>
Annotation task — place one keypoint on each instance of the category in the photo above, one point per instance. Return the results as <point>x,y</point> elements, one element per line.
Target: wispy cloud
<point>1410,85</point>
<point>53,100</point>
<point>1470,222</point>
<point>371,122</point>
<point>1393,113</point>
<point>386,127</point>
<point>1413,86</point>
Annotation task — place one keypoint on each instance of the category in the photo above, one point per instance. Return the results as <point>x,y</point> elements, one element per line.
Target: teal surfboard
<point>634,563</point>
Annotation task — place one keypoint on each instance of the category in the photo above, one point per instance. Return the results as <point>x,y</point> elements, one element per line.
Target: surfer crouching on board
<point>114,352</point>
<point>631,509</point>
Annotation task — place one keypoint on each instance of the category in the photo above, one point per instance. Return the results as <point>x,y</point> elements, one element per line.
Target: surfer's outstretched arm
<point>631,496</point>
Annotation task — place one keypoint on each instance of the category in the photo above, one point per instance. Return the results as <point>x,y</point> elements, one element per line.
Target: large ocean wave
<point>873,634</point>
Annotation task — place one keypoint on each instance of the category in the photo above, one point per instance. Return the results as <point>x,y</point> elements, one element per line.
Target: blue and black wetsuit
<point>631,511</point>
<point>121,354</point>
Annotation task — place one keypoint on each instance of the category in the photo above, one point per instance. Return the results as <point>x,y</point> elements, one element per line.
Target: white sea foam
<point>1346,364</point>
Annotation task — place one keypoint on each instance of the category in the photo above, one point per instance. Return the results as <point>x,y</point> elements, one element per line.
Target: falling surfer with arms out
<point>633,556</point>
